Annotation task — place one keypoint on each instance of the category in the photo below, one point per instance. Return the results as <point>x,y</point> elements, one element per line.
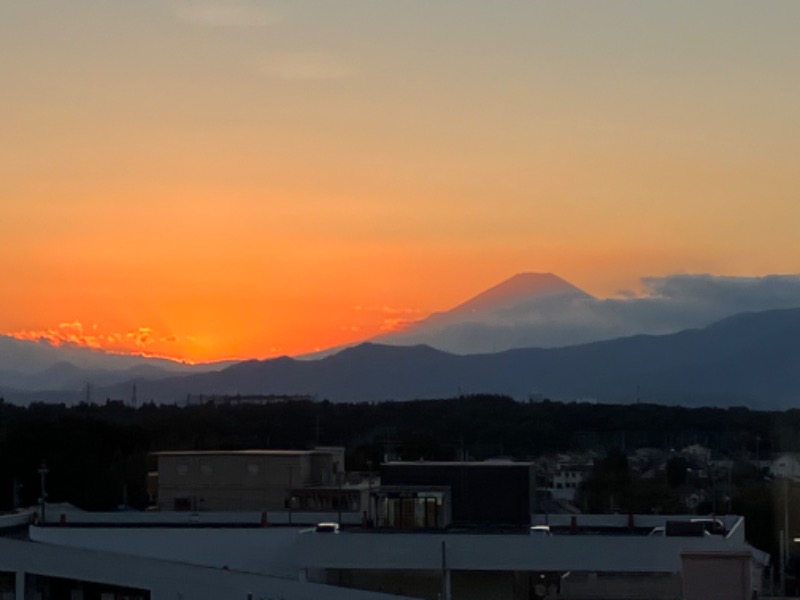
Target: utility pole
<point>369,495</point>
<point>341,497</point>
<point>338,481</point>
<point>290,495</point>
<point>446,591</point>
<point>43,471</point>
<point>786,536</point>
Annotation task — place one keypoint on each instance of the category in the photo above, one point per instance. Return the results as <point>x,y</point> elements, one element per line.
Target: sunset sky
<point>225,179</point>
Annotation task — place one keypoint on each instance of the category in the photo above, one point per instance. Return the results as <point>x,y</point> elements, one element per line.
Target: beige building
<point>248,479</point>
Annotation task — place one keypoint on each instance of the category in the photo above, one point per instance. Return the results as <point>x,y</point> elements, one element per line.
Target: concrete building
<point>205,556</point>
<point>596,557</point>
<point>567,480</point>
<point>442,531</point>
<point>254,480</point>
<point>144,562</point>
<point>438,494</point>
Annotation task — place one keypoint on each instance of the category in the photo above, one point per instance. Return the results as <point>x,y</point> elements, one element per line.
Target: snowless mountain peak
<point>522,287</point>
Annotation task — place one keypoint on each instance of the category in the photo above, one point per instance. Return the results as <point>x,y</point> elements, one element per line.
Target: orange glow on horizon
<point>208,184</point>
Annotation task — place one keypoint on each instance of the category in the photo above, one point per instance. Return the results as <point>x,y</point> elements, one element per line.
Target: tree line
<point>98,455</point>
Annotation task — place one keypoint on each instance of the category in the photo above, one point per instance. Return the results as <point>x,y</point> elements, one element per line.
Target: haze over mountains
<point>29,365</point>
<point>750,359</point>
<point>532,335</point>
<point>541,310</point>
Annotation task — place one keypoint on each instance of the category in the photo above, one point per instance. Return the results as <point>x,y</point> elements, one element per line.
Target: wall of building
<point>283,550</point>
<point>716,576</point>
<point>490,493</point>
<point>419,584</point>
<point>621,586</point>
<point>486,552</point>
<point>228,482</point>
<point>239,480</point>
<point>472,585</point>
<point>479,585</point>
<point>165,580</point>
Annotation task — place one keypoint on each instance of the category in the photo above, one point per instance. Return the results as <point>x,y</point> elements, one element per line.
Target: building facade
<point>246,480</point>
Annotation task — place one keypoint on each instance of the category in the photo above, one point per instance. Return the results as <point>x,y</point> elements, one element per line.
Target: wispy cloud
<point>393,318</point>
<point>224,14</point>
<point>388,310</point>
<point>395,324</point>
<point>76,334</point>
<point>140,337</point>
<point>307,66</point>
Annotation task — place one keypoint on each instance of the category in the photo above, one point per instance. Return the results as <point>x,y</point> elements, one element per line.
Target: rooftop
<point>473,463</point>
<point>244,452</point>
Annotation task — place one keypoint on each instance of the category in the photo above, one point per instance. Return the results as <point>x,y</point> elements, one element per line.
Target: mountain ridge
<point>731,362</point>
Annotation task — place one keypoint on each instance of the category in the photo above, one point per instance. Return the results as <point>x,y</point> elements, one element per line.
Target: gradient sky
<point>221,179</point>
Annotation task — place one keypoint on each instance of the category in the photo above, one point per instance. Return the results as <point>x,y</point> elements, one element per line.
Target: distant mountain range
<point>534,335</point>
<point>751,359</point>
<point>28,366</point>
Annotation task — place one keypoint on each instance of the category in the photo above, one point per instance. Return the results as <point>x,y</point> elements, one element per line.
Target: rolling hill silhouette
<point>750,359</point>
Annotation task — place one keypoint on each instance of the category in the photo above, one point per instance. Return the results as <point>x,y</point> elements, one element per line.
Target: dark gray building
<point>491,493</point>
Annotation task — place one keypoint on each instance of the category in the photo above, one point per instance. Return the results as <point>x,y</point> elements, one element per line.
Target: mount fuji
<point>542,310</point>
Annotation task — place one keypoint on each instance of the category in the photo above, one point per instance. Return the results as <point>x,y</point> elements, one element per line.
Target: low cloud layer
<point>85,346</point>
<point>76,334</point>
<point>668,304</point>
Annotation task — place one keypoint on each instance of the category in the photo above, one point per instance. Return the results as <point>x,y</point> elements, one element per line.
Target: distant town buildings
<point>238,399</point>
<point>563,474</point>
